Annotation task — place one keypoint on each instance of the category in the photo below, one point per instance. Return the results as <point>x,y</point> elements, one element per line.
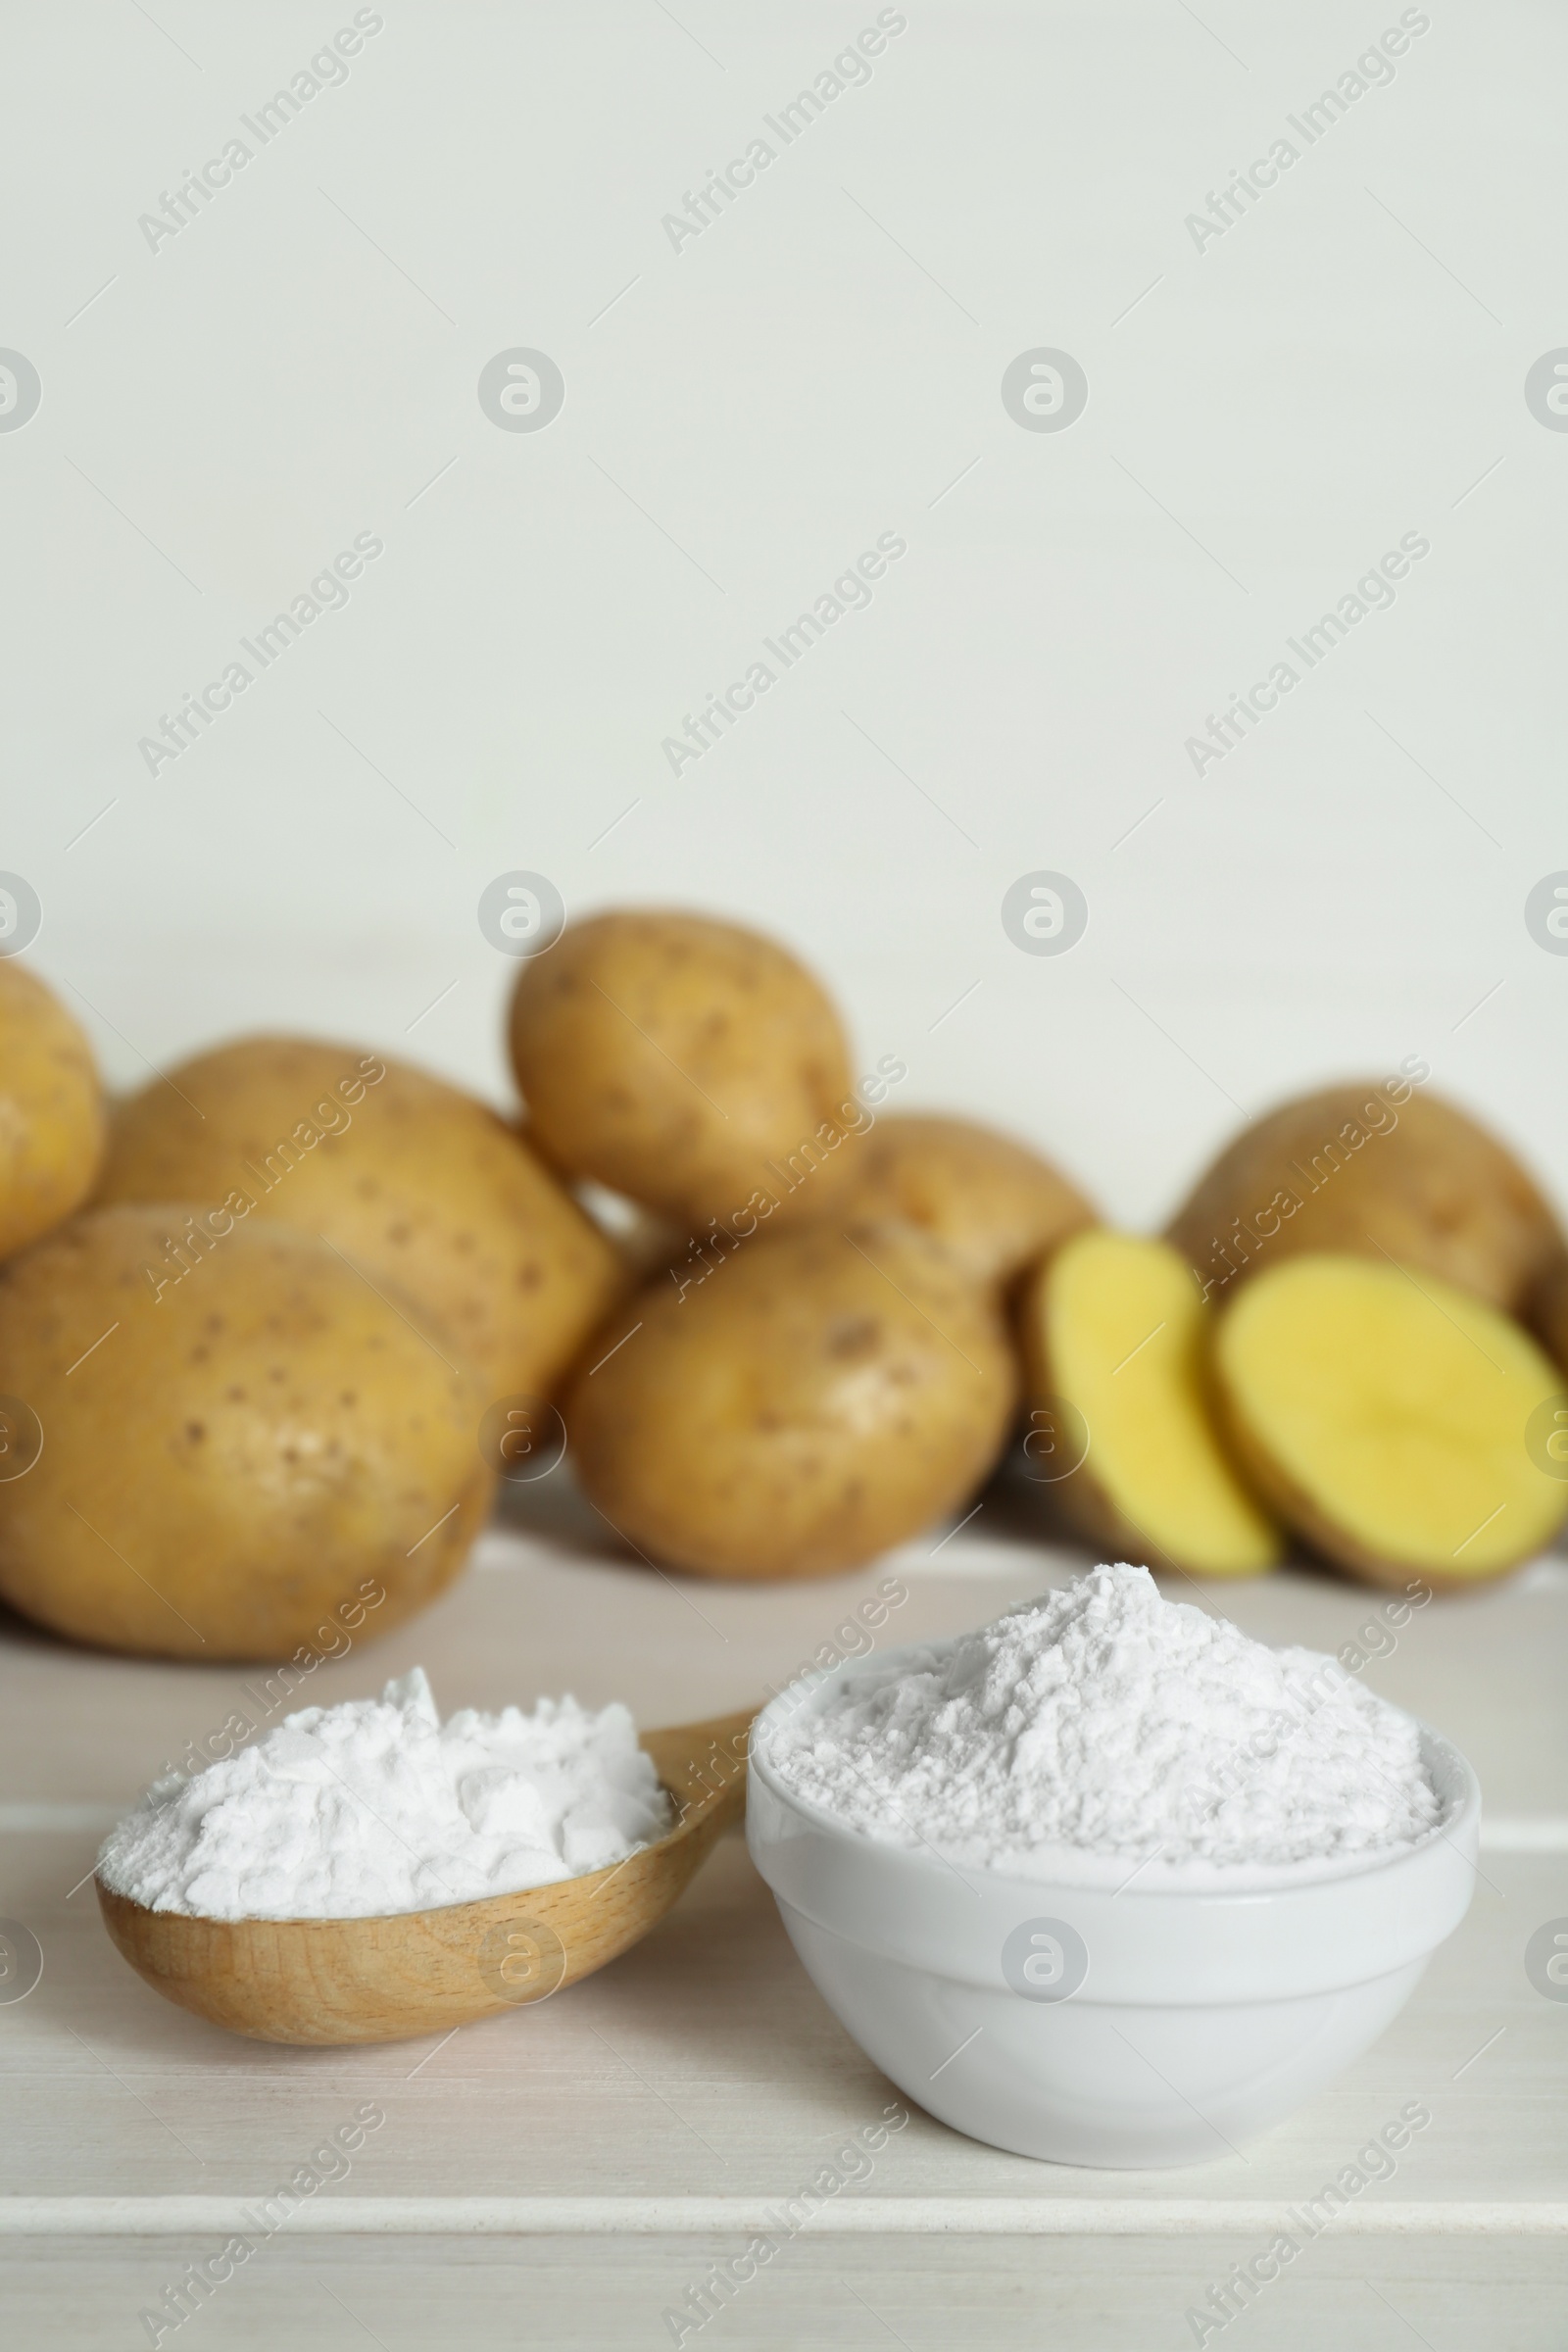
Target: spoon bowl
<point>406,1974</point>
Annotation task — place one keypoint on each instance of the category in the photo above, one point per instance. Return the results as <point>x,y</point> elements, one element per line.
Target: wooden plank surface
<point>635,2126</point>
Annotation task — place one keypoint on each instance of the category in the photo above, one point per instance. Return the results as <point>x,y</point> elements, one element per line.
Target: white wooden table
<point>560,2176</point>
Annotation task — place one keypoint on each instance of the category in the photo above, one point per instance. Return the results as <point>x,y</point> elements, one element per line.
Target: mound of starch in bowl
<point>377,1806</point>
<point>1110,1722</point>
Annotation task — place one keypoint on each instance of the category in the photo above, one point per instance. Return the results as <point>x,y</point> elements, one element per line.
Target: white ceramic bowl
<point>1147,2027</point>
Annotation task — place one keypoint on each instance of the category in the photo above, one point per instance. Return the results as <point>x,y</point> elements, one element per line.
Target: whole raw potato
<point>688,1063</point>
<point>992,1201</point>
<point>233,1464</point>
<point>815,1398</point>
<point>51,1110</point>
<point>1379,1171</point>
<point>418,1184</point>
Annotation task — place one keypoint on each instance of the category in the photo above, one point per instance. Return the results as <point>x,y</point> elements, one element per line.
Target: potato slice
<point>1112,1327</point>
<point>1392,1418</point>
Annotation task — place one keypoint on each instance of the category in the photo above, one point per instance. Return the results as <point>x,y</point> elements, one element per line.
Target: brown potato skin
<point>1436,1191</point>
<point>51,1116</point>
<point>989,1200</point>
<point>818,1398</point>
<point>1547,1312</point>
<point>426,1189</point>
<point>243,1454</point>
<point>681,1061</point>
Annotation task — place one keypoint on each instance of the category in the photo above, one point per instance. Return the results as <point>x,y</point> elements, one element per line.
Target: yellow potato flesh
<point>1126,1331</point>
<point>1397,1406</point>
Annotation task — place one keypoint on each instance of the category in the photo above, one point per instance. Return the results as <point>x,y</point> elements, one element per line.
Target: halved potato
<point>1392,1418</point>
<point>1113,1327</point>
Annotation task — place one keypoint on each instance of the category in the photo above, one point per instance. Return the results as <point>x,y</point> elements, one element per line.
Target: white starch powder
<point>1104,1726</point>
<point>377,1806</point>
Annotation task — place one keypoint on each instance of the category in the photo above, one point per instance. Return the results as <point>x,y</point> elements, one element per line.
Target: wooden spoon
<point>410,1972</point>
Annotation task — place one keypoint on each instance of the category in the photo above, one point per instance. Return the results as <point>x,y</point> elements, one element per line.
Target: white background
<point>1343,366</point>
